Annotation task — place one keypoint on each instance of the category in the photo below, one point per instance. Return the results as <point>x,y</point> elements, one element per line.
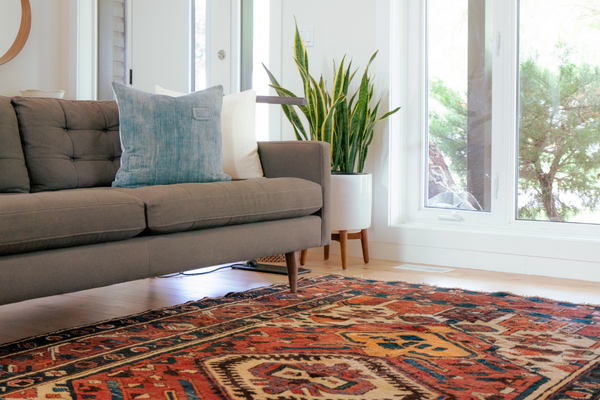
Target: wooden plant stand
<point>343,237</point>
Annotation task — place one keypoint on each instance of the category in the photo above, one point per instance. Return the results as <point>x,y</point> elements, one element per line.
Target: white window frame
<point>405,230</point>
<point>418,125</point>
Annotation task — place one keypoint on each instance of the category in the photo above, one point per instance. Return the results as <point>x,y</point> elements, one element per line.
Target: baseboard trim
<point>486,261</point>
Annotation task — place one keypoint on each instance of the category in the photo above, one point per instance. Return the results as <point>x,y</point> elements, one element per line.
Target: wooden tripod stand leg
<point>292,269</point>
<point>303,254</point>
<point>365,245</point>
<point>344,245</point>
<point>326,253</point>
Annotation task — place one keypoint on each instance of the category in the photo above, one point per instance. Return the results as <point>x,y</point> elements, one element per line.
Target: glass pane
<point>200,77</point>
<point>559,110</point>
<point>460,104</point>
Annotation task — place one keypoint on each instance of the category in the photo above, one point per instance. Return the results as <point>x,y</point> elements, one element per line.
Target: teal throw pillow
<point>167,140</point>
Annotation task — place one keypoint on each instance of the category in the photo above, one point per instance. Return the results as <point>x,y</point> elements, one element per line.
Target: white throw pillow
<point>240,150</point>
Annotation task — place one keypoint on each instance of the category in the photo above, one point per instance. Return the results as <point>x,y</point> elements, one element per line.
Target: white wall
<point>44,61</point>
<point>341,27</point>
<point>10,20</point>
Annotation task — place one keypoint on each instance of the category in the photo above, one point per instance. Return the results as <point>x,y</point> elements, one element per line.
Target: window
<point>559,111</point>
<point>508,121</point>
<point>459,61</point>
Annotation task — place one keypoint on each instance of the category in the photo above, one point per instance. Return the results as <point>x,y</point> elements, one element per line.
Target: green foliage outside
<point>449,130</point>
<point>559,137</point>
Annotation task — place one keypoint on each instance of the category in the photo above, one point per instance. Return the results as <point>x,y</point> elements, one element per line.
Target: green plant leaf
<point>313,102</point>
<point>339,81</point>
<point>294,119</point>
<point>320,107</point>
<point>282,92</point>
<point>300,54</point>
<point>388,114</point>
<point>358,121</point>
<point>327,127</point>
<point>367,138</point>
<point>341,132</point>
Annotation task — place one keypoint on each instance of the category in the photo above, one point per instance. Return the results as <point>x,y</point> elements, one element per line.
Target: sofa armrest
<point>308,160</point>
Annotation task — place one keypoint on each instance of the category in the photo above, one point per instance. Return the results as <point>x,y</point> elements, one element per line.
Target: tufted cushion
<point>13,174</point>
<point>69,144</point>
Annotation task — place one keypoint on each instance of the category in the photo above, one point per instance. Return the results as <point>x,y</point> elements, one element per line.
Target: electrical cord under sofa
<point>197,273</point>
<point>250,265</point>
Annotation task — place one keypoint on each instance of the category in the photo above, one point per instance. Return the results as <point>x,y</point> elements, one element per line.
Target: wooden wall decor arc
<point>23,34</point>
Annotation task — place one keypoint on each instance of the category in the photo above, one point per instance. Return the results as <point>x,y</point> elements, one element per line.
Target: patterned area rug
<point>338,338</point>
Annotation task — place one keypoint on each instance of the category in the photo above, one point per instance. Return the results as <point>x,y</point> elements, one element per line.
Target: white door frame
<point>224,35</point>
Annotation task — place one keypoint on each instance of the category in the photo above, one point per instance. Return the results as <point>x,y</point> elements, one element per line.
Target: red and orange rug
<point>337,338</point>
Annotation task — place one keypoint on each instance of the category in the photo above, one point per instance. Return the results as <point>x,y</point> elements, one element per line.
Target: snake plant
<point>346,123</point>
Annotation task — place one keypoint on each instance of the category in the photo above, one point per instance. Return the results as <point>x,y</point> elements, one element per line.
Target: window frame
<point>410,144</point>
<point>418,127</point>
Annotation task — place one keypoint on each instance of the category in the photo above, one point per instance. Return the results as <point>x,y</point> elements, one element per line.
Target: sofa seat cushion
<point>40,221</point>
<point>194,206</point>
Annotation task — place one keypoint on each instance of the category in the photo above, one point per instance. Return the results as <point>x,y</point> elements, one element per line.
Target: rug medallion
<point>337,338</point>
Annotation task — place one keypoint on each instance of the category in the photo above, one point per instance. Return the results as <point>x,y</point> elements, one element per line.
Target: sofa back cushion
<point>69,144</point>
<point>13,174</point>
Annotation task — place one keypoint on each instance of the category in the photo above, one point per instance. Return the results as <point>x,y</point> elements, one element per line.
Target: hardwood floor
<point>40,316</point>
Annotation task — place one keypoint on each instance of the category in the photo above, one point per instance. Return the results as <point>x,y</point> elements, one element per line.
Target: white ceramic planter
<point>351,201</point>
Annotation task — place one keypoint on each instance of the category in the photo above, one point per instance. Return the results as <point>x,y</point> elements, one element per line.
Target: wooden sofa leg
<point>326,253</point>
<point>343,246</point>
<point>292,269</point>
<point>303,254</point>
<point>364,241</point>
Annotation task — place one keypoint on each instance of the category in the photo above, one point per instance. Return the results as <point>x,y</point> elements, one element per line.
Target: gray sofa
<point>63,228</point>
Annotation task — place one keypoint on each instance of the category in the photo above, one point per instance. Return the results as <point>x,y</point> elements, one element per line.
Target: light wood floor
<point>40,316</point>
